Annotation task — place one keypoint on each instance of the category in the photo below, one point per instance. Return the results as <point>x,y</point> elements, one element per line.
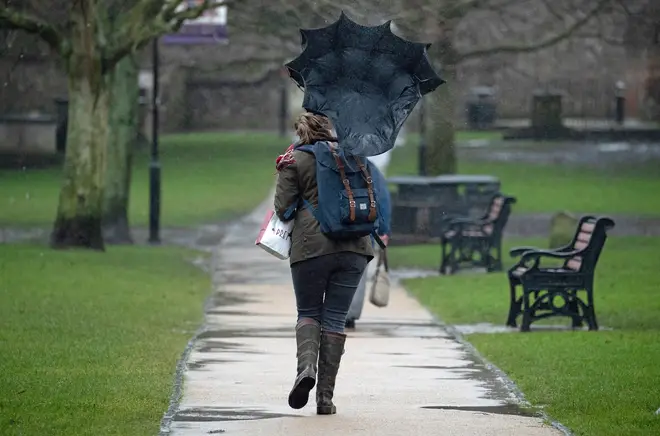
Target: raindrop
<point>20,56</point>
<point>27,195</point>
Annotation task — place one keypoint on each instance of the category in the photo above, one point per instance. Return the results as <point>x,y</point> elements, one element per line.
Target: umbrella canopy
<point>365,79</point>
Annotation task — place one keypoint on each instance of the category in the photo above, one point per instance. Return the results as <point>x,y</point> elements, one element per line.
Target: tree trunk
<point>441,152</point>
<point>80,209</point>
<point>123,83</point>
<point>78,222</point>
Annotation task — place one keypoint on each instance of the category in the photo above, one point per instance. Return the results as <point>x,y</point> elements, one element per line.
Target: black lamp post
<point>154,164</point>
<point>422,139</point>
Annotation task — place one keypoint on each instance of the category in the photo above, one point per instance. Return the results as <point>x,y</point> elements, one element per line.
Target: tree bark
<point>78,222</point>
<point>80,209</point>
<point>441,151</point>
<point>123,83</point>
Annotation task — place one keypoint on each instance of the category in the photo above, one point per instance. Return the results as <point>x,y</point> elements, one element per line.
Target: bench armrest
<point>518,251</point>
<point>537,255</point>
<point>461,220</point>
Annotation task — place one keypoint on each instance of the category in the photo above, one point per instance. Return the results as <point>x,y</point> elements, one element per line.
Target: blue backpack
<point>348,197</point>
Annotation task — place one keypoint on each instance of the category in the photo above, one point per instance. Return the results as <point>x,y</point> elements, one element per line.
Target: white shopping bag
<point>275,236</point>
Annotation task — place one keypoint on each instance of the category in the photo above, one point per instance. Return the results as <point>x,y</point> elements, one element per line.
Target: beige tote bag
<point>380,288</point>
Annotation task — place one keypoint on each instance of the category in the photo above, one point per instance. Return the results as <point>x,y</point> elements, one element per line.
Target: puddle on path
<point>198,365</point>
<point>249,333</point>
<point>235,313</point>
<point>226,298</point>
<point>222,414</point>
<point>210,346</point>
<point>494,387</point>
<point>504,409</point>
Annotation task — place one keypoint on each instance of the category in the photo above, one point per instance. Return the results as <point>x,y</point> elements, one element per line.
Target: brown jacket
<point>296,182</point>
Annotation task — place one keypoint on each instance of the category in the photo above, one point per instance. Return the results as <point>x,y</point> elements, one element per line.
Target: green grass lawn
<point>89,341</point>
<point>597,383</point>
<point>205,177</point>
<point>550,188</point>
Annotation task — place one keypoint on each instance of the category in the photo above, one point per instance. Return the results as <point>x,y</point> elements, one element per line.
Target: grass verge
<point>206,177</point>
<point>628,189</point>
<point>89,341</point>
<point>597,383</point>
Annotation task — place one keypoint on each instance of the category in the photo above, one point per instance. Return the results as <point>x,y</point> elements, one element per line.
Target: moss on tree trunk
<point>124,94</point>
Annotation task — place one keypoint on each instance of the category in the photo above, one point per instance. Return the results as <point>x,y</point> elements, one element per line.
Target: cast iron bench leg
<point>591,311</point>
<point>526,312</point>
<point>514,306</point>
<point>443,258</point>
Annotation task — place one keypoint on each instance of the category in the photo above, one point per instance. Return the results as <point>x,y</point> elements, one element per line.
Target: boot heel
<point>326,410</point>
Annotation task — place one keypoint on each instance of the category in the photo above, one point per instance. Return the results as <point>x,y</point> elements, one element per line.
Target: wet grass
<point>464,136</point>
<point>427,256</point>
<point>206,177</point>
<point>597,383</point>
<point>625,188</point>
<point>89,341</point>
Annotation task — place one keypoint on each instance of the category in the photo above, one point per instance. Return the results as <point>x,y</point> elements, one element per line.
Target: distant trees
<point>92,38</point>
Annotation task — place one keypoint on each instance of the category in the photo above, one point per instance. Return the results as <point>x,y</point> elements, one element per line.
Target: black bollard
<point>620,113</point>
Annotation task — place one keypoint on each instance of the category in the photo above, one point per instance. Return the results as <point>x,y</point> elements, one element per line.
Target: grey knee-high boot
<point>307,338</point>
<point>332,347</point>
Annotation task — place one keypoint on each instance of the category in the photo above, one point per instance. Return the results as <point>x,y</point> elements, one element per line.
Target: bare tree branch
<point>545,43</point>
<point>13,19</point>
<point>149,19</point>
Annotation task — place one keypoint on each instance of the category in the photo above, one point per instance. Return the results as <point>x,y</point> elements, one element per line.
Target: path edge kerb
<point>216,283</point>
<point>509,384</point>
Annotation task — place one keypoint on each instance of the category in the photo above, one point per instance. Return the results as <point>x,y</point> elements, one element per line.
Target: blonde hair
<point>312,128</point>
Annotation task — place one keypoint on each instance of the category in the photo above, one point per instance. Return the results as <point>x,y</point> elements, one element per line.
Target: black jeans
<point>325,286</point>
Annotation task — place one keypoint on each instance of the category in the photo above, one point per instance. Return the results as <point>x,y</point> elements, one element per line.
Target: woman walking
<point>325,271</point>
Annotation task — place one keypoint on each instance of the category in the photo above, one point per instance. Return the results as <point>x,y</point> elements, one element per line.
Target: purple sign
<point>209,28</point>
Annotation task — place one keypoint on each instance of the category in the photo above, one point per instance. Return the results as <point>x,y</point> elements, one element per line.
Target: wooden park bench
<point>477,242</point>
<point>555,291</point>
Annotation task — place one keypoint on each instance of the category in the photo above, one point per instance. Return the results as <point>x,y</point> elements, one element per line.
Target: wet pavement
<point>402,373</point>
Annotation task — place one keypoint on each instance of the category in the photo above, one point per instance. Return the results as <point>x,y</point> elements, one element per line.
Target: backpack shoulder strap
<point>373,214</point>
<point>306,147</point>
<point>345,181</point>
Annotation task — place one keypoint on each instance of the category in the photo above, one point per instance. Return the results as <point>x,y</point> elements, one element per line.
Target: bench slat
<point>574,263</point>
<point>580,245</point>
<point>588,227</point>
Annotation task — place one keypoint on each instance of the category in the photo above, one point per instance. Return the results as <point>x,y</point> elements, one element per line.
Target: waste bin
<point>62,121</point>
<point>481,108</point>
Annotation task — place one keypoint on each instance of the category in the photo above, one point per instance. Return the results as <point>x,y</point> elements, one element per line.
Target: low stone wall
<point>28,134</point>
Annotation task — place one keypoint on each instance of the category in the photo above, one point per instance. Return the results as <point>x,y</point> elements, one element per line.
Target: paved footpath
<point>401,374</point>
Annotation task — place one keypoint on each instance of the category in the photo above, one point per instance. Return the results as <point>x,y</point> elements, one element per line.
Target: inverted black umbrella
<point>365,79</point>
